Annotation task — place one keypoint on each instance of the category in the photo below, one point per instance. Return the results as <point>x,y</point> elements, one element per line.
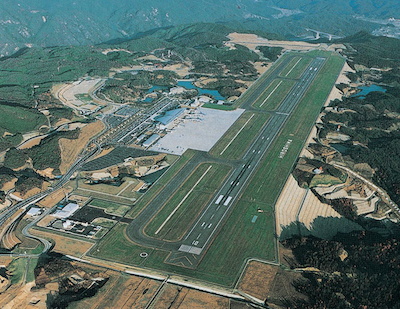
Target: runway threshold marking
<point>272,92</point>
<point>293,67</point>
<point>183,200</point>
<point>236,135</point>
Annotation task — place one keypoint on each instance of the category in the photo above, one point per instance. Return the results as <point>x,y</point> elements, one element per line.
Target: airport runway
<point>190,250</point>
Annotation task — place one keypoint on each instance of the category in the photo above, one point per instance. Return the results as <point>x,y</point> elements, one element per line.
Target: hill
<point>69,22</point>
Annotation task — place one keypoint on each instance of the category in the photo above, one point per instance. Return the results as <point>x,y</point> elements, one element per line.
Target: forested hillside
<point>69,22</point>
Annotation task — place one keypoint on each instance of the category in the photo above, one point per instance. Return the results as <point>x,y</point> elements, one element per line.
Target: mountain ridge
<point>67,22</point>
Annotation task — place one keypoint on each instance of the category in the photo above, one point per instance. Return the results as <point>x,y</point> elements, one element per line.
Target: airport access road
<point>188,253</point>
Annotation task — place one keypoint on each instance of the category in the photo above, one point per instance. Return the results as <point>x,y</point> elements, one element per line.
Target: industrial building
<point>66,211</point>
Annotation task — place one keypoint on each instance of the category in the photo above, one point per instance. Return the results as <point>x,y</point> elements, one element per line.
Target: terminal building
<point>167,120</point>
<point>151,140</point>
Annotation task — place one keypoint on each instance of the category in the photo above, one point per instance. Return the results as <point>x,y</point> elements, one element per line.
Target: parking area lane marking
<point>183,200</point>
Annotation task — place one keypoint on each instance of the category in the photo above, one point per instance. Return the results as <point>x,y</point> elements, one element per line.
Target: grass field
<point>296,67</point>
<point>15,119</point>
<point>220,107</point>
<point>274,94</point>
<point>249,229</point>
<point>22,270</point>
<point>110,207</point>
<point>125,189</point>
<point>157,186</point>
<point>101,196</point>
<point>187,202</point>
<point>103,222</point>
<point>239,136</point>
<point>324,179</point>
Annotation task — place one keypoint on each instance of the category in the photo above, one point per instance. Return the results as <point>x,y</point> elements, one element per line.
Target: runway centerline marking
<point>293,67</point>
<point>272,92</point>
<point>236,135</point>
<point>183,200</point>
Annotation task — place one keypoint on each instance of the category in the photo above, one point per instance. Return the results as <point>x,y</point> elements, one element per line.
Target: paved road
<point>189,252</point>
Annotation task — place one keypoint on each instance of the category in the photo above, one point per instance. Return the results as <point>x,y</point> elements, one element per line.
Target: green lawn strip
<point>219,106</point>
<point>240,143</point>
<point>160,183</point>
<point>30,274</point>
<point>325,180</point>
<point>240,239</point>
<point>116,247</point>
<point>17,268</point>
<point>269,100</point>
<point>187,212</point>
<point>291,63</point>
<point>295,72</point>
<point>185,216</point>
<point>110,207</point>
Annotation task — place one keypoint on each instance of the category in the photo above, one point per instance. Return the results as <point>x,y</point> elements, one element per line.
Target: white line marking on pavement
<point>227,201</point>
<point>219,198</point>
<point>241,129</point>
<point>183,200</point>
<point>272,92</point>
<point>293,67</point>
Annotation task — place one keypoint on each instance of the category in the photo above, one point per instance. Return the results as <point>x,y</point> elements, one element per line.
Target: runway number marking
<point>182,201</point>
<point>285,149</point>
<point>241,129</point>
<point>272,92</point>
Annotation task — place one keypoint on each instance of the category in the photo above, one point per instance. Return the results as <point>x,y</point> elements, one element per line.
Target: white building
<point>66,211</point>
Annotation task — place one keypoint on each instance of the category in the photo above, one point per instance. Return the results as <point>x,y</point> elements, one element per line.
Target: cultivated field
<point>254,274</point>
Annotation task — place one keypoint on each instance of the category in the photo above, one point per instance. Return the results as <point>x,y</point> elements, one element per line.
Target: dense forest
<point>357,270</point>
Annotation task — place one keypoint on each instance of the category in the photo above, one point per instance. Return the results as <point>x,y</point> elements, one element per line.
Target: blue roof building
<point>168,117</point>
